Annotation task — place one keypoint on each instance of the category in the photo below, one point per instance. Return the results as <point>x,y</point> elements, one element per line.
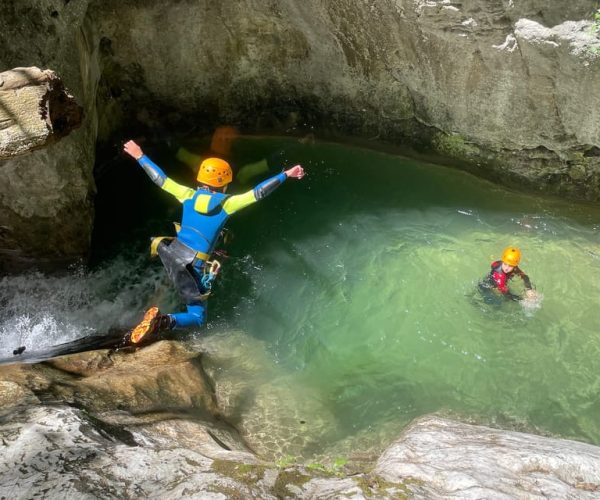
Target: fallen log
<point>35,110</point>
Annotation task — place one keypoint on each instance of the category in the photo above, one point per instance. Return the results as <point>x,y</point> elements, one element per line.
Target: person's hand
<point>133,150</point>
<point>296,172</point>
<point>530,294</point>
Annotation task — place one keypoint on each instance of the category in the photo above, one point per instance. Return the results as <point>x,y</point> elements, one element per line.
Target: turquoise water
<point>360,280</point>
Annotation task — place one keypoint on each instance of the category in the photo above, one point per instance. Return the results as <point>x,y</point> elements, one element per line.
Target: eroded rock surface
<point>152,424</point>
<point>511,89</point>
<point>446,459</point>
<point>54,451</point>
<point>164,381</point>
<point>59,450</point>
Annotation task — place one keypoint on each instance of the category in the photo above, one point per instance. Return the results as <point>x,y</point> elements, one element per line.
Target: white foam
<point>39,311</point>
<point>532,304</point>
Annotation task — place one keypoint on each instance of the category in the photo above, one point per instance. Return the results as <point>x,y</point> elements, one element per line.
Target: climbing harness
<point>191,272</point>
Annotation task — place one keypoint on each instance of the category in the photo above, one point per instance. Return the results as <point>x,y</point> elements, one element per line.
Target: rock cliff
<point>510,90</point>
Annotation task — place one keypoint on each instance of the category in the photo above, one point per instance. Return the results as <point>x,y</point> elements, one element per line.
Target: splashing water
<point>532,304</point>
<point>39,311</point>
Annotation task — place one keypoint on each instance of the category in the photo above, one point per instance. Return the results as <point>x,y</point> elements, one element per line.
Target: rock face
<point>508,89</point>
<point>46,196</point>
<point>59,451</point>
<point>443,459</point>
<point>164,377</point>
<point>146,423</point>
<point>45,207</point>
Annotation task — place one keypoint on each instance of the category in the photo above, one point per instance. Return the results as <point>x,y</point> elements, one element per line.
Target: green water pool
<point>359,283</point>
<point>362,280</point>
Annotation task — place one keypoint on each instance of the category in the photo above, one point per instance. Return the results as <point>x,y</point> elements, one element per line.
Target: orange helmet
<point>511,256</point>
<point>215,172</point>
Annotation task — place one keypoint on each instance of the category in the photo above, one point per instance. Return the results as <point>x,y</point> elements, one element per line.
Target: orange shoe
<point>148,325</point>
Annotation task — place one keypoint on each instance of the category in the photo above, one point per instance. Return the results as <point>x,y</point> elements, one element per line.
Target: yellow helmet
<point>511,256</point>
<point>215,172</point>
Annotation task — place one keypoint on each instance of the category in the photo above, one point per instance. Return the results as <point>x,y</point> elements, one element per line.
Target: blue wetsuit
<point>205,213</point>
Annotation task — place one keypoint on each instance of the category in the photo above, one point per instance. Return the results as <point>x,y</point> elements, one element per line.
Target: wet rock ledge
<point>152,423</point>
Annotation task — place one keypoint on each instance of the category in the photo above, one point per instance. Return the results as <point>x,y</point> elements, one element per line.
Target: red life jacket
<point>500,277</point>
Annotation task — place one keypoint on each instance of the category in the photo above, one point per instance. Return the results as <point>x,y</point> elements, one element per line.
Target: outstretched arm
<point>530,292</point>
<point>152,169</point>
<point>525,278</point>
<point>156,174</point>
<point>265,188</point>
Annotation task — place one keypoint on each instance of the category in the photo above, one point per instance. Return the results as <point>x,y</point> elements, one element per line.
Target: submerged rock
<point>275,414</point>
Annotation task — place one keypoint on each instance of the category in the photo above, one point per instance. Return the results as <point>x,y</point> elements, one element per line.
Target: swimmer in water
<point>502,271</point>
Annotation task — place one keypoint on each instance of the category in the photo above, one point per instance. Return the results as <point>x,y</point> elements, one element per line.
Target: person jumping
<point>187,257</point>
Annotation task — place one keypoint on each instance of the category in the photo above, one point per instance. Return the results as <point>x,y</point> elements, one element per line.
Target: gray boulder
<point>441,458</point>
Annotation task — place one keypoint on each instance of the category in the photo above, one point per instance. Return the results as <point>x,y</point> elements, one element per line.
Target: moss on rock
<point>244,473</point>
<point>374,485</point>
<point>455,146</point>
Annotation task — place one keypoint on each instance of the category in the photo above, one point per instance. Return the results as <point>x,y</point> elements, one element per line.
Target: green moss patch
<point>291,476</point>
<point>243,473</point>
<point>455,146</point>
<point>373,485</point>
